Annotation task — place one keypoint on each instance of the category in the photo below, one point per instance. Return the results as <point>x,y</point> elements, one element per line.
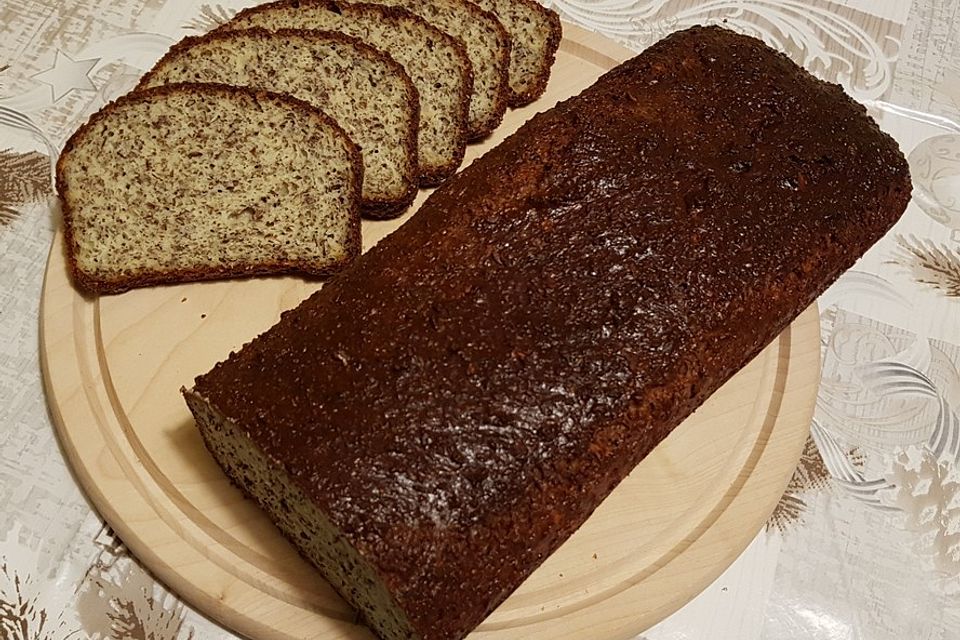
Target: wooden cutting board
<point>113,367</point>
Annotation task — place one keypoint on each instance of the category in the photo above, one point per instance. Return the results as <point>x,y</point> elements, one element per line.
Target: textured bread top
<point>535,34</point>
<point>364,90</point>
<point>436,62</point>
<point>197,181</point>
<point>488,46</point>
<point>461,400</point>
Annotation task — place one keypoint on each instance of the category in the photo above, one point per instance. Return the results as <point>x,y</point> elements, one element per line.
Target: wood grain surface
<point>113,368</point>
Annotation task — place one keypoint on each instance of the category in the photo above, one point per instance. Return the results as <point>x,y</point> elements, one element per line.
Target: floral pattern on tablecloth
<point>865,542</point>
<point>878,553</point>
<point>96,590</point>
<point>24,179</point>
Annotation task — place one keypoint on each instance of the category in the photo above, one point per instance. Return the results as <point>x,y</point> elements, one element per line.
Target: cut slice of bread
<point>192,182</point>
<point>436,62</point>
<point>488,45</point>
<point>535,32</point>
<point>364,90</point>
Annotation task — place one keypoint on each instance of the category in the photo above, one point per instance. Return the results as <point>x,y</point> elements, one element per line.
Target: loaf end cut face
<point>197,181</point>
<point>441,417</point>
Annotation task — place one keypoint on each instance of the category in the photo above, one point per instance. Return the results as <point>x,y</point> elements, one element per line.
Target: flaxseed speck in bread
<point>436,62</point>
<point>488,45</point>
<point>198,181</point>
<point>535,33</point>
<point>556,310</point>
<point>363,89</point>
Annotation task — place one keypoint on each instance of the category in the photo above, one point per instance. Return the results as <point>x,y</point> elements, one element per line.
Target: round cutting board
<point>113,367</point>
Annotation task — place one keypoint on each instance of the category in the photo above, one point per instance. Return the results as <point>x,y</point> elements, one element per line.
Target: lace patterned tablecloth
<point>865,544</point>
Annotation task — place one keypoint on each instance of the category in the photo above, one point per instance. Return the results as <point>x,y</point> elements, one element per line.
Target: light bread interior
<point>535,35</point>
<point>368,94</point>
<point>488,46</point>
<point>194,181</point>
<point>435,61</point>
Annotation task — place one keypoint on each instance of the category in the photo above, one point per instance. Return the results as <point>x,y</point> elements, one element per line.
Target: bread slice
<point>364,90</point>
<point>535,32</point>
<point>488,46</point>
<point>436,62</point>
<point>198,181</point>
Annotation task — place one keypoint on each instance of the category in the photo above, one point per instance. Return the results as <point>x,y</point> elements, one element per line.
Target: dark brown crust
<point>557,309</point>
<point>503,64</point>
<point>539,84</point>
<point>377,209</point>
<point>92,284</point>
<point>429,176</point>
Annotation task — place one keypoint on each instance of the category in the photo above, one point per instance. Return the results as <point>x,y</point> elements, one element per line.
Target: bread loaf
<point>365,91</point>
<point>197,181</point>
<point>439,418</point>
<point>436,62</point>
<point>535,34</point>
<point>488,47</point>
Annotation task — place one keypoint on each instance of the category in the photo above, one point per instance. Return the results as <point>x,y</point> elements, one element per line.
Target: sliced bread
<point>535,32</point>
<point>364,90</point>
<point>488,45</point>
<point>436,62</point>
<point>198,181</point>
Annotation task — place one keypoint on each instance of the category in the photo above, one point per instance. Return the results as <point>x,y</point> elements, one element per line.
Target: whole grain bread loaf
<point>364,90</point>
<point>535,34</point>
<point>555,310</point>
<point>488,46</point>
<point>436,62</point>
<point>197,181</point>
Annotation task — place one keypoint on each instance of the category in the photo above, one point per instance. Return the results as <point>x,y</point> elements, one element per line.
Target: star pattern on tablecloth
<point>68,75</point>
